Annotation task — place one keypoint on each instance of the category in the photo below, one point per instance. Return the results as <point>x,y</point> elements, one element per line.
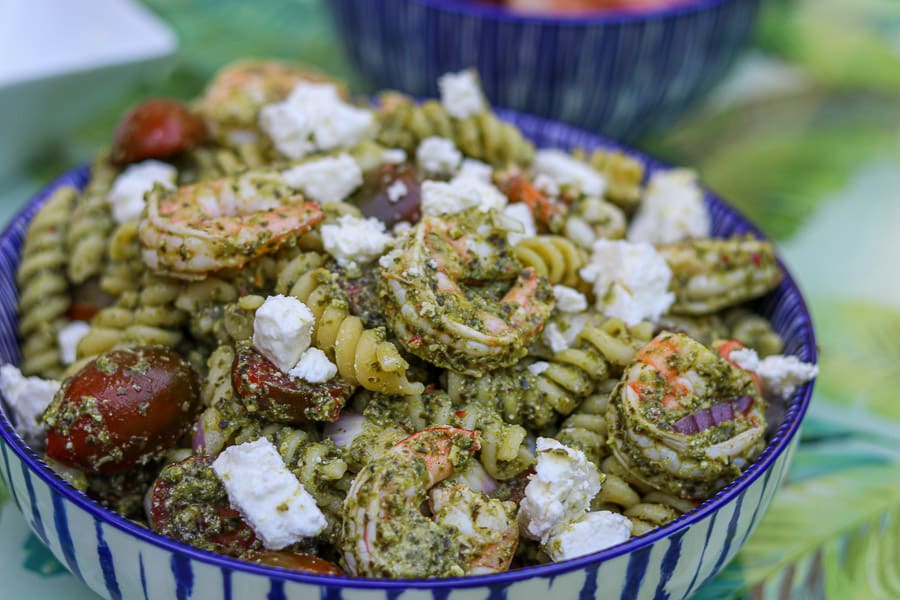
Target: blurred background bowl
<point>623,74</point>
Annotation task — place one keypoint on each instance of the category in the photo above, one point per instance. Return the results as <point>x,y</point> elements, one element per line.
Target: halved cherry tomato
<point>374,198</point>
<point>188,503</point>
<point>122,409</point>
<point>265,390</point>
<point>295,561</point>
<point>156,128</point>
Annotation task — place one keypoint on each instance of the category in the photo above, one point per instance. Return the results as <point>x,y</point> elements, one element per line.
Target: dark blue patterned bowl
<point>621,74</point>
<point>120,559</point>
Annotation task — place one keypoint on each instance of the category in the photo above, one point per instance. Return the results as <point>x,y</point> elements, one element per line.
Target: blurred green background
<point>804,138</point>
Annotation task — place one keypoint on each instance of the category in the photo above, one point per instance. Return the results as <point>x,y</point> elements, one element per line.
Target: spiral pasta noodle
<point>753,331</point>
<point>552,256</point>
<point>536,396</point>
<point>646,507</point>
<point>124,267</point>
<point>586,429</point>
<point>624,175</point>
<point>44,290</point>
<point>362,356</point>
<point>145,317</point>
<point>403,124</point>
<point>91,224</point>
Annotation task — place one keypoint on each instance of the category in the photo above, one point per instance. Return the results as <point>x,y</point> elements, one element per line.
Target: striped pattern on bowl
<point>120,559</point>
<point>618,74</point>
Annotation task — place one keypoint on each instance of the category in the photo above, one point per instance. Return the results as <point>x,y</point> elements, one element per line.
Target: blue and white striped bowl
<point>620,74</point>
<point>120,559</point>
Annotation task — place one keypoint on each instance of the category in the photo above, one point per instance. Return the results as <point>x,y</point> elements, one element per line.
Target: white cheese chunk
<point>282,330</point>
<point>565,170</point>
<point>780,375</point>
<point>591,533</point>
<point>289,127</point>
<point>314,117</point>
<point>439,198</point>
<point>554,338</point>
<point>559,492</point>
<point>394,156</point>
<point>67,340</point>
<point>396,191</point>
<point>546,185</point>
<point>269,497</point>
<point>27,398</point>
<point>329,179</point>
<point>126,197</point>
<point>672,210</point>
<point>438,156</point>
<point>461,94</point>
<point>519,212</point>
<point>536,368</point>
<point>569,300</point>
<point>314,367</point>
<point>355,240</point>
<point>476,169</point>
<point>630,280</point>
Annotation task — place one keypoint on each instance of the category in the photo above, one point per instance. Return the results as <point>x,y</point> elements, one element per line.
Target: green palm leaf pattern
<point>838,531</point>
<point>860,361</point>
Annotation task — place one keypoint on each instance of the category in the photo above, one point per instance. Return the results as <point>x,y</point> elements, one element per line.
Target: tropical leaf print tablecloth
<point>804,137</point>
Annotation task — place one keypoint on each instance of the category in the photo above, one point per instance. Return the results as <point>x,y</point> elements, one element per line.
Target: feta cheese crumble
<point>536,368</point>
<point>438,156</point>
<point>630,280</point>
<point>355,240</point>
<point>282,330</point>
<point>126,197</point>
<point>314,367</point>
<point>461,94</point>
<point>396,191</point>
<point>591,533</point>
<point>394,156</point>
<point>314,117</point>
<point>439,198</point>
<point>672,210</point>
<point>565,170</point>
<point>67,340</point>
<point>780,375</point>
<point>568,299</point>
<point>554,339</point>
<point>259,485</point>
<point>329,179</point>
<point>27,398</point>
<point>476,170</point>
<point>560,491</point>
<point>519,212</point>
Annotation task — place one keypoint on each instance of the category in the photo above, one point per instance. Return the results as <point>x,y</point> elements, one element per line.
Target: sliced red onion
<point>705,418</point>
<point>721,413</point>
<point>343,431</point>
<point>686,425</point>
<point>743,404</point>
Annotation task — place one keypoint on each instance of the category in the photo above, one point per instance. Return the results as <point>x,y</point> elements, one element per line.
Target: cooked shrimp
<point>385,534</point>
<point>458,298</point>
<point>197,229</point>
<point>684,420</point>
<point>232,101</point>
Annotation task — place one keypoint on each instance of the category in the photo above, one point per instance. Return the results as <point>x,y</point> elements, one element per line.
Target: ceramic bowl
<point>120,559</point>
<point>618,73</point>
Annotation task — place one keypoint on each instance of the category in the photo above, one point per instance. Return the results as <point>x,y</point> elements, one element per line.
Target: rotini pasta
<point>91,224</point>
<point>362,356</point>
<point>553,257</point>
<point>624,176</point>
<point>44,290</point>
<point>484,137</point>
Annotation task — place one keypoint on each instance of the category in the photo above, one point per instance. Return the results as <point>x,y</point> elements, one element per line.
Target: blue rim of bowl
<point>796,408</point>
<point>581,19</point>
